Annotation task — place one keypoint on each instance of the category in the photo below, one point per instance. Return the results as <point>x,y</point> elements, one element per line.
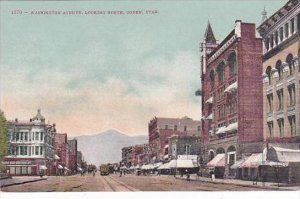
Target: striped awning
<point>218,161</point>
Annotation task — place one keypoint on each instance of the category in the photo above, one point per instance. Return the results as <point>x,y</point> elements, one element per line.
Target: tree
<point>3,138</point>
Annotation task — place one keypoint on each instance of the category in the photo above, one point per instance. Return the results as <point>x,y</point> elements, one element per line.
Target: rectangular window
<point>199,128</point>
<point>292,92</point>
<point>281,127</point>
<point>187,149</point>
<point>18,170</point>
<point>292,26</point>
<point>42,136</point>
<point>280,99</point>
<point>24,170</point>
<point>271,128</point>
<point>272,40</point>
<point>22,136</point>
<point>292,121</point>
<point>281,33</point>
<point>166,126</point>
<point>175,128</point>
<point>267,41</point>
<point>41,150</point>
<point>286,30</point>
<point>37,135</point>
<point>36,150</point>
<point>26,136</point>
<point>270,103</point>
<point>276,37</point>
<point>29,170</point>
<point>185,128</point>
<point>32,136</point>
<point>12,170</point>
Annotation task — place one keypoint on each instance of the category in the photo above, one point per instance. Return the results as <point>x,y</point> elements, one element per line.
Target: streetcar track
<point>109,184</point>
<point>122,184</point>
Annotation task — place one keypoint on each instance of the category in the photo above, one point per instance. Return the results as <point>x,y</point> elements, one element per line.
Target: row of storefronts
<point>251,98</point>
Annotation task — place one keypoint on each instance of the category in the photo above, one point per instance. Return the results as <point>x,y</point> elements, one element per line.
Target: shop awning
<point>253,160</point>
<point>156,165</point>
<point>232,127</point>
<point>273,164</point>
<point>218,161</point>
<point>238,164</point>
<point>210,117</point>
<point>56,157</point>
<point>232,87</point>
<point>43,167</point>
<point>185,163</point>
<point>172,164</point>
<point>221,130</point>
<point>163,166</point>
<point>278,154</point>
<point>210,100</point>
<point>60,167</point>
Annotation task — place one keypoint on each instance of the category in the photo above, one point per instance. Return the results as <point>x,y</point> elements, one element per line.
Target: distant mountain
<point>106,146</point>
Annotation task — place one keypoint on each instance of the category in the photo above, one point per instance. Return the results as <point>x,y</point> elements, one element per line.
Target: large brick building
<point>281,70</point>
<point>161,129</point>
<point>30,147</point>
<point>231,94</point>
<point>281,87</point>
<point>72,145</point>
<point>60,145</point>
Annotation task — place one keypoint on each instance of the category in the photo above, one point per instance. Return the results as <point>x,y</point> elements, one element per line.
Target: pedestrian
<point>93,172</point>
<point>187,175</point>
<point>41,173</point>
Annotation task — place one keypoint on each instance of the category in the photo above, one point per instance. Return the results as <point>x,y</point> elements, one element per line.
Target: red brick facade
<point>232,95</point>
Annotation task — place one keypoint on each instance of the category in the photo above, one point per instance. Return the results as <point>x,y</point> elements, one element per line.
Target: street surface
<point>129,182</point>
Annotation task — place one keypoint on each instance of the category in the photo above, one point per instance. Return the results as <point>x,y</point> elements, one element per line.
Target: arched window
<point>220,71</point>
<point>269,73</point>
<point>290,62</point>
<point>231,152</point>
<point>279,68</point>
<point>232,63</point>
<point>220,151</point>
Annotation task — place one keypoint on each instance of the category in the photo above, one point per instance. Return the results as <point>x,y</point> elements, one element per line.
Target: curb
<point>19,183</point>
<point>242,185</point>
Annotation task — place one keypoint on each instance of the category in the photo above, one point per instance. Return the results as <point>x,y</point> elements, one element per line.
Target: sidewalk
<point>264,185</point>
<point>16,180</point>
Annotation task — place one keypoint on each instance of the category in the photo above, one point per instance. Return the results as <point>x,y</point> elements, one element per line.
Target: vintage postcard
<point>161,96</point>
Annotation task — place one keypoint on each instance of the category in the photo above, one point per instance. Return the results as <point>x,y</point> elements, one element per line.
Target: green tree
<point>3,138</point>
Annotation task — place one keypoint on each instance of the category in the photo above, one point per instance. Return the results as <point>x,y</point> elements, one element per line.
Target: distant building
<point>160,129</point>
<point>72,152</point>
<point>183,145</point>
<point>60,145</point>
<point>231,95</point>
<point>79,159</point>
<point>127,156</point>
<point>136,153</point>
<point>30,146</point>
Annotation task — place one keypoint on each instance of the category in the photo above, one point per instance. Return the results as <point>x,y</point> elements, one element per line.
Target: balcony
<point>269,89</point>
<point>291,110</point>
<point>279,85</point>
<point>280,114</point>
<point>269,116</point>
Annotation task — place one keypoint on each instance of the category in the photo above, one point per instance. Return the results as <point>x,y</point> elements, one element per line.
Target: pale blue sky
<point>91,73</point>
